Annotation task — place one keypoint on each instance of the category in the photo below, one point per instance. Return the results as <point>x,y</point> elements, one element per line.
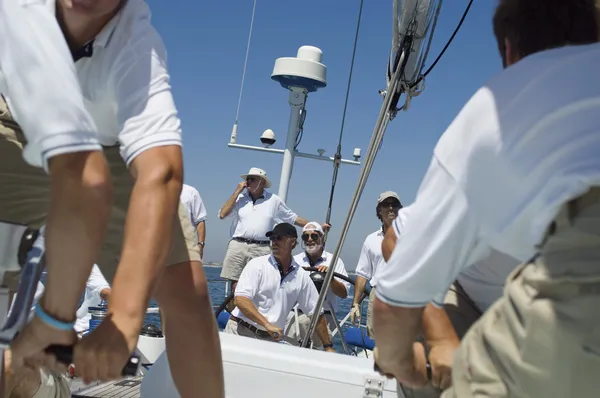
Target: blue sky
<point>206,43</point>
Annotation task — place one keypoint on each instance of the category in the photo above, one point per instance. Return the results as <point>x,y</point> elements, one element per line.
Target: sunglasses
<point>313,236</point>
<point>392,203</point>
<point>250,179</point>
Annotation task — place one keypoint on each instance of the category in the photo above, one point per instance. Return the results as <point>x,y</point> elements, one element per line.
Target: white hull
<point>269,370</point>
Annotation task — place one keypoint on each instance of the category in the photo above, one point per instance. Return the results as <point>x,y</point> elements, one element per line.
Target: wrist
<point>328,345</point>
<point>53,321</point>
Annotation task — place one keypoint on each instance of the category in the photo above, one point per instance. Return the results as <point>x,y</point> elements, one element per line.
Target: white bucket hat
<point>260,173</point>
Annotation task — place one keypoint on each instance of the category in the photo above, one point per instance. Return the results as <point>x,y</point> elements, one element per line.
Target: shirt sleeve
<point>198,209</point>
<point>438,240</point>
<point>364,267</point>
<point>40,85</point>
<point>249,281</point>
<point>308,297</point>
<point>146,111</point>
<point>284,213</point>
<point>96,282</point>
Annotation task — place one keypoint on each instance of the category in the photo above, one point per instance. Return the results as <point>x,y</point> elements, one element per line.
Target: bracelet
<point>327,345</point>
<point>50,321</point>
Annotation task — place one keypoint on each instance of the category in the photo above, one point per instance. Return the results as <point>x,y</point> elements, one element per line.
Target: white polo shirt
<point>190,197</point>
<point>370,255</point>
<point>340,268</point>
<point>252,220</point>
<point>525,144</point>
<point>39,83</point>
<point>273,295</point>
<point>125,83</point>
<point>93,287</point>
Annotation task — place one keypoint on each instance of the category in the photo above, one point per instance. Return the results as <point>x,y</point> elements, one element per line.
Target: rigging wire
<point>237,113</point>
<point>338,154</point>
<point>437,59</point>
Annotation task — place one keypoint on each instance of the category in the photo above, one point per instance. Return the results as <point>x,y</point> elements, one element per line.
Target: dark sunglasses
<point>313,236</point>
<point>250,179</point>
<point>392,203</point>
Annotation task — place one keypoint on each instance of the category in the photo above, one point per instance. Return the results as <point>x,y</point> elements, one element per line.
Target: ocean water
<point>216,287</point>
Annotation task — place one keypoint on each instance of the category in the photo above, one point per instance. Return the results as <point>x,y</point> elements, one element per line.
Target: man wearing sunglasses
<point>314,255</point>
<point>388,205</point>
<point>254,211</point>
<point>269,287</point>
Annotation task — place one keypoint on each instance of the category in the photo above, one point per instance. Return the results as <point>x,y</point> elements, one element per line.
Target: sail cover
<point>412,18</point>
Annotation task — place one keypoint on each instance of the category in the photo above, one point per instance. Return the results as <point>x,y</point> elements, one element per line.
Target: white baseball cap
<point>387,194</point>
<point>313,226</point>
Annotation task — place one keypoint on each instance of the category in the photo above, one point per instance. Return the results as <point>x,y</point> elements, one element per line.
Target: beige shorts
<point>542,337</point>
<point>238,255</point>
<point>25,198</point>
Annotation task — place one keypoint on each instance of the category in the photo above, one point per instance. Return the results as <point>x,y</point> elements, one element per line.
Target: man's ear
<point>294,244</point>
<point>510,57</point>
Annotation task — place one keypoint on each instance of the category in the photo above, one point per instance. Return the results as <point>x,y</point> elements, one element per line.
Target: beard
<point>313,249</point>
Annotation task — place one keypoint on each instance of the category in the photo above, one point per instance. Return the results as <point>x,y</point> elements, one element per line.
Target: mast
<point>299,75</point>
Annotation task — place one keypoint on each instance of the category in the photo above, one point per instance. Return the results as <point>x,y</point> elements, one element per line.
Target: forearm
<point>396,329</point>
<point>322,331</point>
<point>75,229</point>
<point>338,288</point>
<point>437,326</point>
<point>249,310</point>
<point>201,230</point>
<point>359,288</point>
<point>152,211</point>
<point>228,206</point>
<point>300,221</point>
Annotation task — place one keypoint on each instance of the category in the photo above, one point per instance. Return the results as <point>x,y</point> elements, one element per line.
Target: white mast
<point>300,75</point>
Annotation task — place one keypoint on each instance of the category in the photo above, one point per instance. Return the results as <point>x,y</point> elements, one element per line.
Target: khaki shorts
<point>542,337</point>
<point>25,198</point>
<point>238,255</point>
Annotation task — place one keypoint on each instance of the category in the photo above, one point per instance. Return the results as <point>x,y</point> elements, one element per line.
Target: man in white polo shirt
<point>315,255</point>
<point>191,200</point>
<point>269,287</point>
<point>121,65</point>
<point>254,211</point>
<point>59,137</point>
<point>388,205</point>
<point>518,172</point>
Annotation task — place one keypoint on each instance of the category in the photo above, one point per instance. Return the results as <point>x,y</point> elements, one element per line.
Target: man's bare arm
<point>228,206</point>
<point>77,220</point>
<point>359,288</point>
<point>249,310</point>
<point>322,331</point>
<point>437,327</point>
<point>201,231</point>
<point>153,207</point>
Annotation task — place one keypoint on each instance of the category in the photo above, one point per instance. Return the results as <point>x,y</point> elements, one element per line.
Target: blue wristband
<point>50,321</point>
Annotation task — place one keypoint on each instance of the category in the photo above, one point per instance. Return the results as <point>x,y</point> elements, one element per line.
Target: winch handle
<point>64,354</point>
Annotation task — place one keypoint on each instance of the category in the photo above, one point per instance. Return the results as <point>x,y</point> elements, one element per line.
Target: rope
<point>237,113</point>
<point>338,154</point>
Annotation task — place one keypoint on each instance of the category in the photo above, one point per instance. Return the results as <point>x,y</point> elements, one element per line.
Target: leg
<point>235,260</point>
<point>182,294</point>
<point>369,311</point>
<point>184,299</point>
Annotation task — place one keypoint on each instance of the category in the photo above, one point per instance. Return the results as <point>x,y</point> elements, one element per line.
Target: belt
<point>327,312</point>
<point>252,241</point>
<point>252,328</point>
